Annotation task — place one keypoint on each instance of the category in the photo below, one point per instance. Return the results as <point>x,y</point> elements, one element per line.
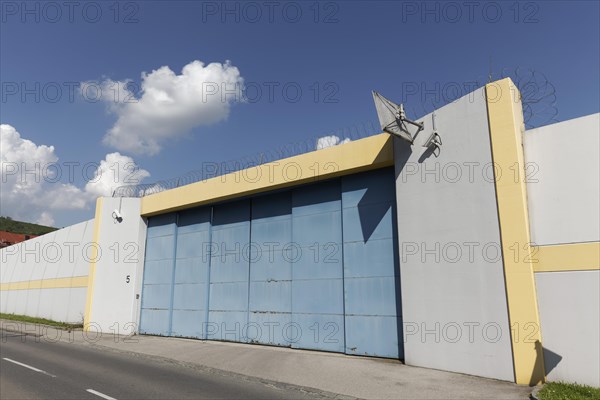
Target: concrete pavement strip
<point>330,374</point>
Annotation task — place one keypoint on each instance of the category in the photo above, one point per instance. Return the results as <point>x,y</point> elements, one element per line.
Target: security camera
<point>434,142</point>
<point>117,216</point>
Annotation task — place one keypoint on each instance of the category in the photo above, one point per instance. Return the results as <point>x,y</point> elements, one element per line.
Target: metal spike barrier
<point>355,132</point>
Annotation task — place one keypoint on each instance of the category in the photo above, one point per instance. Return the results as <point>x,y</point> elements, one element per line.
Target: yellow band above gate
<point>356,156</point>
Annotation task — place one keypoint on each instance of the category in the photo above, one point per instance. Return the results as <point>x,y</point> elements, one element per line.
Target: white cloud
<point>31,191</point>
<point>111,92</point>
<point>15,150</point>
<point>25,192</point>
<point>45,218</point>
<point>170,105</point>
<point>114,171</point>
<point>328,141</point>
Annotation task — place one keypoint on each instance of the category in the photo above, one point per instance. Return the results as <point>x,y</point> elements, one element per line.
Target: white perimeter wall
<point>118,272</point>
<point>453,293</point>
<point>563,188</point>
<point>569,306</point>
<point>59,254</point>
<point>563,191</point>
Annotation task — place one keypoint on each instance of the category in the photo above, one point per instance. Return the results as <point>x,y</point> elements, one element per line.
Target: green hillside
<point>9,225</point>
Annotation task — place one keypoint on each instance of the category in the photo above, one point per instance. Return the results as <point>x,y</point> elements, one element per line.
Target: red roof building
<point>9,238</point>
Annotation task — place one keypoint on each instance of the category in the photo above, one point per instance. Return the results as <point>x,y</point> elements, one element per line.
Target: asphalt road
<point>40,369</point>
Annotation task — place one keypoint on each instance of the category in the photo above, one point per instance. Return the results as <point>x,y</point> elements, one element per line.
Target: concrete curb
<point>5,325</point>
<point>5,328</point>
<point>536,390</point>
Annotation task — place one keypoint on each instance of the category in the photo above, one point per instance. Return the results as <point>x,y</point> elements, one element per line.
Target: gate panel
<point>371,276</point>
<point>158,275</point>
<point>190,290</point>
<point>317,274</point>
<point>229,271</point>
<point>270,270</point>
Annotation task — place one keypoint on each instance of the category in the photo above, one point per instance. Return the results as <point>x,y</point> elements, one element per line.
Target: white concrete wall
<point>114,306</point>
<point>453,292</point>
<point>563,188</point>
<point>569,306</point>
<point>59,254</point>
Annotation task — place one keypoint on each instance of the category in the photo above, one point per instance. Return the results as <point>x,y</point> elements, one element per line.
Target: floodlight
<point>434,141</point>
<point>117,216</point>
<point>393,119</point>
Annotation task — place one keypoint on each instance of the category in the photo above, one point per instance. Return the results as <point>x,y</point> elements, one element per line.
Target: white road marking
<point>92,391</point>
<point>29,366</point>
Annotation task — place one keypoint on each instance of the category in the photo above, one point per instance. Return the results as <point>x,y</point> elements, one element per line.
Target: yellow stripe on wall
<point>506,133</point>
<point>56,283</point>
<point>95,239</point>
<point>567,257</point>
<point>356,156</point>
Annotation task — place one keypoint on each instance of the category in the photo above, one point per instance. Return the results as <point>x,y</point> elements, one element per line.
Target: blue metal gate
<point>314,267</point>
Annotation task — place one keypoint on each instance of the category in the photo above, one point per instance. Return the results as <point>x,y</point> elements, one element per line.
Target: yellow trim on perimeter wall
<point>54,283</point>
<point>567,257</point>
<point>506,133</point>
<point>92,275</point>
<point>356,156</point>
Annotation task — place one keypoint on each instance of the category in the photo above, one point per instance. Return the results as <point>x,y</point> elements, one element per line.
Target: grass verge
<point>568,391</point>
<point>43,321</point>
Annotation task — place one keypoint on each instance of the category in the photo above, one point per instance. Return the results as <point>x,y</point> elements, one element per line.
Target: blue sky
<point>335,52</point>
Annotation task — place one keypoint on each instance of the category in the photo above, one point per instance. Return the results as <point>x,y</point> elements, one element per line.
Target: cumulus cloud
<point>25,190</point>
<point>113,93</point>
<point>168,105</point>
<point>31,189</point>
<point>46,219</point>
<point>328,141</point>
<point>114,171</point>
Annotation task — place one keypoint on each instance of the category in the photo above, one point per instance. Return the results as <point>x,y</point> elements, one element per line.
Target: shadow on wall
<point>401,155</point>
<point>549,360</point>
<point>426,154</point>
<point>371,210</point>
